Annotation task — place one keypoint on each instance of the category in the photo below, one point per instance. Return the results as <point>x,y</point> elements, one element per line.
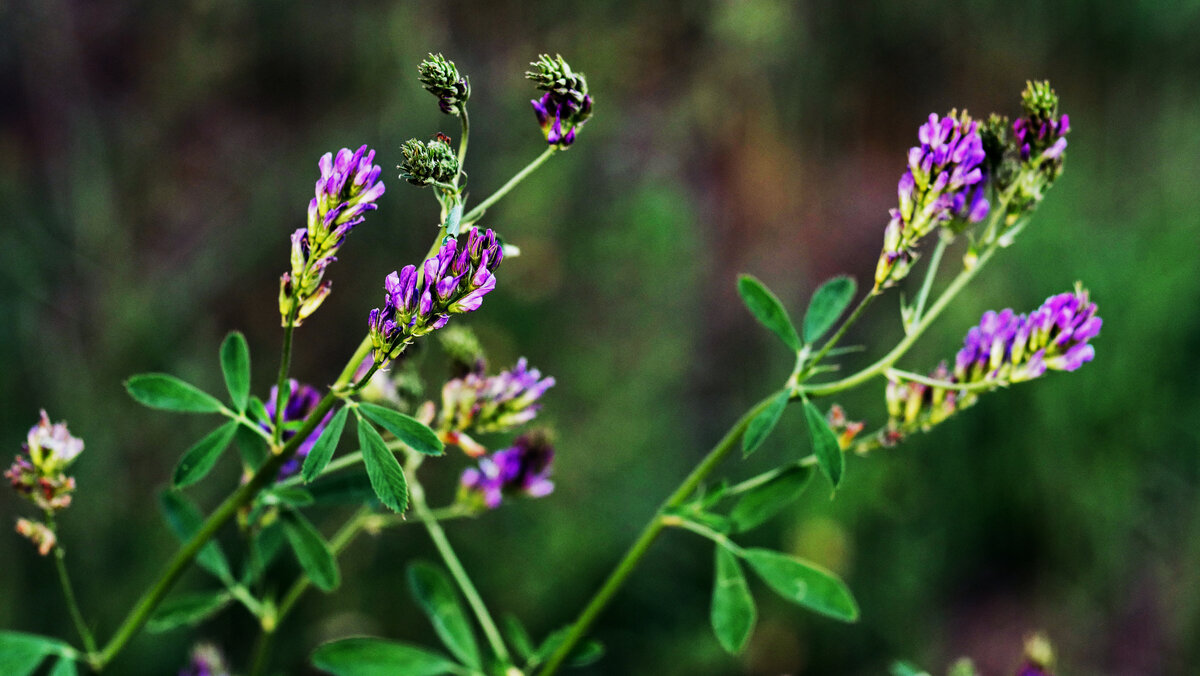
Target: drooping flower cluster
<point>453,281</point>
<point>206,660</point>
<point>301,400</point>
<point>348,188</point>
<point>943,185</point>
<point>485,404</point>
<point>566,104</point>
<point>522,470</point>
<point>440,77</point>
<point>429,163</point>
<point>1027,154</point>
<point>845,429</point>
<point>39,473</point>
<point>1004,348</point>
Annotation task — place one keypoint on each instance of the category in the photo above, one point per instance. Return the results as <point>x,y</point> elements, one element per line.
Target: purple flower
<point>523,469</point>
<point>565,106</point>
<point>452,281</point>
<point>39,473</point>
<point>347,189</point>
<point>302,400</point>
<point>944,182</point>
<point>206,660</point>
<point>487,404</point>
<point>1004,348</point>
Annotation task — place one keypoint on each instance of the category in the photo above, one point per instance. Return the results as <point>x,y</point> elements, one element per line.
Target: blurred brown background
<point>154,157</point>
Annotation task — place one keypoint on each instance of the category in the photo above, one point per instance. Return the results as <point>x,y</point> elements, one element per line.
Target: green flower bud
<point>425,163</point>
<point>441,78</point>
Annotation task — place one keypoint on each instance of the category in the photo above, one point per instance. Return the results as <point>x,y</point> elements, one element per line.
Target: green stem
<point>462,143</point>
<point>862,306</point>
<point>935,261</point>
<point>945,384</point>
<point>60,562</point>
<point>649,533</point>
<point>417,494</point>
<point>339,541</point>
<point>703,531</point>
<point>224,512</point>
<point>884,363</point>
<point>285,362</point>
<point>479,210</point>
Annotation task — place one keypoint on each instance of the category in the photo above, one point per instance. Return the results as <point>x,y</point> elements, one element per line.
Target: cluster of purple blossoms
<point>524,469</point>
<point>453,281</point>
<point>1004,348</point>
<point>486,404</point>
<point>206,660</point>
<point>301,400</point>
<point>566,104</point>
<point>1027,154</point>
<point>39,473</point>
<point>944,182</point>
<point>348,188</point>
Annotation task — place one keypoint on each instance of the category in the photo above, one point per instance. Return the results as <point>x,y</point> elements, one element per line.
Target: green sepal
<point>803,583</point>
<point>311,551</point>
<point>235,366</point>
<point>412,432</point>
<point>436,595</point>
<point>168,393</point>
<point>384,471</point>
<point>767,499</point>
<point>761,425</point>
<point>322,451</point>
<point>767,309</point>
<point>199,460</point>
<point>366,656</point>
<point>827,304</point>
<point>825,444</point>
<point>733,613</point>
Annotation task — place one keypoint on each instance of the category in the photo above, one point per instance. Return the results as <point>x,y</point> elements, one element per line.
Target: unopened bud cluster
<point>1005,348</point>
<point>425,163</point>
<point>348,188</point>
<point>39,475</point>
<point>488,404</point>
<point>440,77</point>
<point>943,185</point>
<point>522,470</point>
<point>566,104</point>
<point>453,281</point>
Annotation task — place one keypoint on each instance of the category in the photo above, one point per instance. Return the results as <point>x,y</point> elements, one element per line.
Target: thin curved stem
<point>474,214</point>
<point>858,310</point>
<point>649,533</point>
<point>935,261</point>
<point>417,495</point>
<point>60,563</point>
<point>285,363</point>
<point>982,385</point>
<point>462,142</point>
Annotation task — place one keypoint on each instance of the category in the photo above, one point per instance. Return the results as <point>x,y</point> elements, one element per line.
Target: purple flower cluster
<point>498,403</point>
<point>1004,348</point>
<point>301,400</point>
<point>347,189</point>
<point>39,473</point>
<point>944,182</point>
<point>453,281</point>
<point>523,469</point>
<point>566,104</point>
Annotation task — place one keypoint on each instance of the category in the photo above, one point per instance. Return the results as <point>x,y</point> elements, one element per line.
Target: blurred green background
<point>155,156</point>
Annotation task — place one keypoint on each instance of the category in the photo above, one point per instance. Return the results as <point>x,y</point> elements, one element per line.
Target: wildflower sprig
<point>441,78</point>
<point>566,105</point>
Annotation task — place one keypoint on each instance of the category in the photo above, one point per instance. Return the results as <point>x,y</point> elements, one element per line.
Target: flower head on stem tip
<point>348,188</point>
<point>441,78</point>
<point>523,469</point>
<point>565,106</point>
<point>428,162</point>
<point>486,404</point>
<point>39,473</point>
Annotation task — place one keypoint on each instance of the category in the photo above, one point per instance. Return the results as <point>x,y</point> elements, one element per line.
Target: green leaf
<point>827,304</point>
<point>733,613</point>
<point>64,667</point>
<point>185,520</point>
<point>322,451</point>
<point>761,425</point>
<point>343,489</point>
<point>518,637</point>
<point>311,551</point>
<point>257,410</point>
<point>166,392</point>
<point>437,597</point>
<point>187,610</point>
<point>267,544</point>
<point>235,364</point>
<point>414,433</point>
<point>384,471</point>
<point>767,309</point>
<point>377,657</point>
<point>804,583</point>
<point>291,497</point>
<point>767,499</point>
<point>20,653</point>
<point>199,460</point>
<point>907,669</point>
<point>252,447</point>
<point>825,444</point>
<point>584,653</point>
